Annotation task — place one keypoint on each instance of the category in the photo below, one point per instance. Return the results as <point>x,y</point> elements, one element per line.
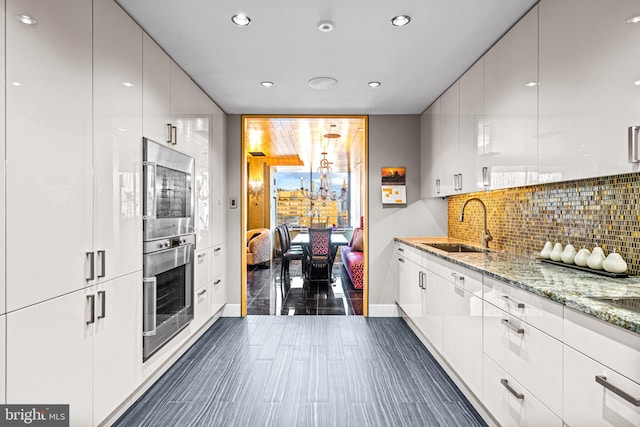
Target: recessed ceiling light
<point>323,83</point>
<point>374,84</point>
<point>127,84</point>
<point>325,26</point>
<point>266,83</point>
<point>532,84</point>
<point>26,19</point>
<point>633,20</point>
<point>400,20</point>
<point>637,83</point>
<point>241,19</point>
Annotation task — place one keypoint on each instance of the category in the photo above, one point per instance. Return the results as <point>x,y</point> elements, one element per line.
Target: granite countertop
<point>572,288</point>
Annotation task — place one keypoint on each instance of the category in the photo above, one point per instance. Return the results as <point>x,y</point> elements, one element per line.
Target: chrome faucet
<point>486,234</point>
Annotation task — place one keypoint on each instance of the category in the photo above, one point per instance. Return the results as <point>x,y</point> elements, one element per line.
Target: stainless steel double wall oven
<point>168,244</point>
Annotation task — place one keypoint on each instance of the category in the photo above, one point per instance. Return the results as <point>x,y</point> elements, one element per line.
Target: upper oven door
<point>168,194</point>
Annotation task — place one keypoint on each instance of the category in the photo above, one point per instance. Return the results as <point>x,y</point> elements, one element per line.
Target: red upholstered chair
<point>320,250</point>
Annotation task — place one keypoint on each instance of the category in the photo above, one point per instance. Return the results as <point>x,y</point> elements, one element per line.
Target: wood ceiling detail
<point>299,141</point>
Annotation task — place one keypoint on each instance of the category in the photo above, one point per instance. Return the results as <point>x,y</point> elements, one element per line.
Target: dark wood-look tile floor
<point>265,297</point>
<point>304,371</point>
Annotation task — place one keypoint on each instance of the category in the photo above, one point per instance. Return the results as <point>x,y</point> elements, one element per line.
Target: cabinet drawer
<point>202,268</point>
<point>506,408</point>
<point>469,280</point>
<point>588,403</point>
<point>202,307</point>
<point>540,312</point>
<point>409,252</point>
<point>610,345</point>
<point>532,357</point>
<point>219,260</point>
<point>219,297</point>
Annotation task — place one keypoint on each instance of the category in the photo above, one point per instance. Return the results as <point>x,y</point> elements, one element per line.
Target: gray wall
<point>394,140</point>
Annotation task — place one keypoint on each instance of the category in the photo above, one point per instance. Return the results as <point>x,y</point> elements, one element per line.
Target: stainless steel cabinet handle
<point>202,292</point>
<point>485,176</point>
<point>506,385</point>
<point>401,259</point>
<point>103,304</point>
<point>92,267</point>
<point>512,302</point>
<point>102,257</point>
<point>92,309</point>
<point>169,133</point>
<point>401,249</point>
<point>149,306</point>
<point>460,181</point>
<point>217,282</point>
<point>174,135</point>
<point>506,323</point>
<point>455,182</point>
<point>634,149</point>
<point>217,249</point>
<point>437,186</point>
<point>602,380</point>
<point>149,170</point>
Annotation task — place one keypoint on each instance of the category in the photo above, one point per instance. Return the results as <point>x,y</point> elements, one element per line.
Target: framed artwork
<point>394,188</point>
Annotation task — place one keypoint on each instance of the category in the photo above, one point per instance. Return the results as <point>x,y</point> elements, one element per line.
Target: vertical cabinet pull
<point>459,182</point>
<point>91,264</point>
<point>515,394</point>
<point>149,305</point>
<point>485,177</point>
<point>174,135</point>
<point>512,302</point>
<point>602,380</point>
<point>437,186</point>
<point>102,295</point>
<point>634,149</point>
<point>169,133</point>
<point>102,256</point>
<point>509,325</point>
<point>92,309</point>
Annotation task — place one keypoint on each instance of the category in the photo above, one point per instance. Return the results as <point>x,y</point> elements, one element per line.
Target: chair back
<point>319,239</point>
<point>284,242</point>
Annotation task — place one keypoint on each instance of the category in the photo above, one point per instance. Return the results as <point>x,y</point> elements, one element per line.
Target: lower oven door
<point>167,296</point>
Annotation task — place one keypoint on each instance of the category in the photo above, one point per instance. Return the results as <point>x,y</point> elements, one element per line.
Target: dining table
<point>337,239</point>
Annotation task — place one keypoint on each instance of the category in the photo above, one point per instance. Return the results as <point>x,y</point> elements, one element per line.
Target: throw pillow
<point>353,236</point>
<point>358,242</point>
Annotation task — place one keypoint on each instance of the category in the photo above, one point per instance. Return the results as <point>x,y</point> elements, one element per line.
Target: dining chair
<point>320,250</point>
<point>288,255</point>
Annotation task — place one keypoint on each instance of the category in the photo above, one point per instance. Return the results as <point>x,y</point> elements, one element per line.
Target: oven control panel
<point>168,243</point>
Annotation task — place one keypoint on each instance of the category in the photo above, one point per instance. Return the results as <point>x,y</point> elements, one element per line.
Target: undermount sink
<point>628,303</point>
<point>455,247</point>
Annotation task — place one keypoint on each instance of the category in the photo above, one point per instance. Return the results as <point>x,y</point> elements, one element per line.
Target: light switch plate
<point>233,203</point>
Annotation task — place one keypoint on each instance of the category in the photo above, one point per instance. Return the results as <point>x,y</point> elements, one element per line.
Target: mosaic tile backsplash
<point>601,211</point>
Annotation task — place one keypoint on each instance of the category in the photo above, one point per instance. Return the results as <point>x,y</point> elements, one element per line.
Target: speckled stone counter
<point>572,288</point>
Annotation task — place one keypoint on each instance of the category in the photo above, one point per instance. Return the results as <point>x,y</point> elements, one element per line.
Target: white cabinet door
<point>3,307</point>
<point>202,307</point>
<point>446,143</point>
<point>431,300</point>
<point>510,403</point>
<point>511,106</point>
<point>218,272</point>
<point>203,268</point>
<point>48,150</point>
<point>117,350</point>
<point>588,403</point>
<point>428,186</point>
<point>409,290</point>
<point>200,146</point>
<point>218,176</point>
<point>156,92</point>
<point>50,355</point>
<point>117,138</point>
<point>472,127</point>
<point>587,94</point>
<point>462,334</point>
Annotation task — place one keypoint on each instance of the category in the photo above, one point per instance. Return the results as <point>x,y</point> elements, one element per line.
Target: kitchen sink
<point>455,247</point>
<point>628,303</point>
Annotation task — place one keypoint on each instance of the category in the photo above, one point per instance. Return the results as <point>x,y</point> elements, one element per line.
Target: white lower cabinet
<point>510,403</point>
<point>203,268</point>
<point>531,356</point>
<point>462,334</point>
<point>219,274</point>
<point>594,395</point>
<point>409,290</point>
<point>202,307</point>
<point>82,349</point>
<point>432,307</point>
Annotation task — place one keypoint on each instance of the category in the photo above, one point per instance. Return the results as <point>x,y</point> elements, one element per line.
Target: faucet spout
<point>486,234</point>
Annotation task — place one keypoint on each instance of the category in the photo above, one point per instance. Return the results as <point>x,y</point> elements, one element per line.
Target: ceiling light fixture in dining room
<point>331,134</point>
<point>323,83</point>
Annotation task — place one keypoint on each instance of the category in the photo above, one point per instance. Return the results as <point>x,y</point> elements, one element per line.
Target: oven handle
<point>150,173</point>
<point>149,301</point>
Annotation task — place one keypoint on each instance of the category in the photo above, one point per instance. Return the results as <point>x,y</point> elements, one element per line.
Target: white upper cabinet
<point>218,188</point>
<point>511,106</point>
<point>588,67</point>
<point>447,141</point>
<point>429,126</point>
<point>472,128</point>
<point>49,183</point>
<point>156,93</point>
<point>117,139</point>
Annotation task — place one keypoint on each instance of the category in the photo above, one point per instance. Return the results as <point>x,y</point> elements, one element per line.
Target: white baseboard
<point>383,310</point>
<point>231,310</point>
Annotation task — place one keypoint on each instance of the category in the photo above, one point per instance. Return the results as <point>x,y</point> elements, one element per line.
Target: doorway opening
<point>301,174</point>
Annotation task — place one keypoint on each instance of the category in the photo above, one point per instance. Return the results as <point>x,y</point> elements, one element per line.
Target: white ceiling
<point>415,63</point>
